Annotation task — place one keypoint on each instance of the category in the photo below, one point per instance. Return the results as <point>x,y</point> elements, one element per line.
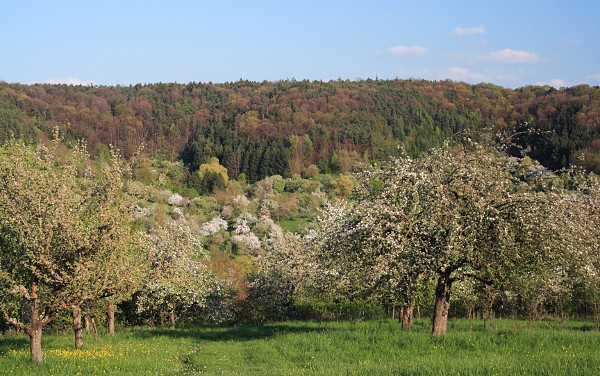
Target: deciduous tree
<point>179,278</point>
<point>450,215</point>
<point>61,229</point>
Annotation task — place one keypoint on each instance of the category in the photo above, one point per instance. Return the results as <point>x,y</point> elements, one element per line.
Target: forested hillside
<point>285,127</point>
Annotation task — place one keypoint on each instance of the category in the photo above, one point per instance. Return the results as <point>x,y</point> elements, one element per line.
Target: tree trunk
<point>35,344</point>
<point>442,305</point>
<point>94,328</point>
<point>34,330</point>
<point>86,323</point>
<point>77,328</point>
<point>596,308</point>
<point>470,309</point>
<point>488,306</point>
<point>110,312</point>
<point>172,318</point>
<point>407,317</point>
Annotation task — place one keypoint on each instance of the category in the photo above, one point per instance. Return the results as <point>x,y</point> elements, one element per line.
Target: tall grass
<point>332,348</point>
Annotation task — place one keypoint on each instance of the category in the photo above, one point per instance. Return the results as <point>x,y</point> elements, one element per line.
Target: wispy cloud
<point>595,76</point>
<point>67,81</point>
<point>463,31</point>
<point>455,73</point>
<point>406,50</point>
<point>556,83</point>
<point>511,56</point>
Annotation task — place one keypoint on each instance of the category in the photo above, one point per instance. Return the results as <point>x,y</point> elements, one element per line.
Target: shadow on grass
<point>228,333</point>
<point>12,342</point>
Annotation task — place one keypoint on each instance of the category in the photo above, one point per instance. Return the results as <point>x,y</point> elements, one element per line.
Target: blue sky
<point>512,43</point>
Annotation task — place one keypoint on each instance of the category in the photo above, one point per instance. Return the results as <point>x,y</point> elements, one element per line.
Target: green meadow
<point>375,347</point>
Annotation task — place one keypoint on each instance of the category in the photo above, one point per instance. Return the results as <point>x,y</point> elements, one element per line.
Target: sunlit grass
<point>133,352</point>
<point>312,348</point>
<point>379,347</point>
<point>294,225</point>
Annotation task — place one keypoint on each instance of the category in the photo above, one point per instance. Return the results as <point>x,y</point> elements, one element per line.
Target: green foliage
<point>328,311</point>
<point>14,123</point>
<point>213,166</point>
<point>209,182</point>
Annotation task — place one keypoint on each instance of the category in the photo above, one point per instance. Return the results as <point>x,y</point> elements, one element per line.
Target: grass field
<point>310,348</point>
<point>294,225</point>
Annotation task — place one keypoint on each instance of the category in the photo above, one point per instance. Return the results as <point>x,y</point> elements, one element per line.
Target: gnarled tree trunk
<point>77,328</point>
<point>407,314</point>
<point>442,305</point>
<point>34,329</point>
<point>35,343</point>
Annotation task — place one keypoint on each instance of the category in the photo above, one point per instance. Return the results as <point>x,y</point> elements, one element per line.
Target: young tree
<point>128,271</point>
<point>449,215</point>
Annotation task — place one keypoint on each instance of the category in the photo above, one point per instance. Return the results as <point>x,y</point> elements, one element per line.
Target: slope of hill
<point>285,127</point>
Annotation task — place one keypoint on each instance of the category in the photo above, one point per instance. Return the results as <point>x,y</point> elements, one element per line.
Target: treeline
<point>285,127</point>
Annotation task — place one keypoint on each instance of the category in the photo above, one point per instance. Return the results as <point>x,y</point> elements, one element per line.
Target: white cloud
<point>556,83</point>
<point>67,81</point>
<point>595,76</point>
<point>407,50</point>
<point>465,74</point>
<point>462,31</point>
<point>511,56</point>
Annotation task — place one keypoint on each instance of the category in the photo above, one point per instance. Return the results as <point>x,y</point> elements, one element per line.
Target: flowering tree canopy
<point>62,230</point>
<point>283,266</point>
<point>452,214</point>
<point>179,277</point>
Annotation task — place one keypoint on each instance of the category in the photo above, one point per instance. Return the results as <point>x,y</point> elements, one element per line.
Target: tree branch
<point>11,320</point>
<point>481,279</point>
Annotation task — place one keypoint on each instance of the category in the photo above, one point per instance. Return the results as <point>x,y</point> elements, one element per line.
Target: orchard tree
<point>179,277</point>
<point>283,268</point>
<point>353,263</point>
<point>128,273</point>
<point>110,266</point>
<point>579,224</point>
<point>450,215</point>
<point>59,232</point>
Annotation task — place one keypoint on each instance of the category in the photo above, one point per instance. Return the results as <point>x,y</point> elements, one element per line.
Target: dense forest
<point>286,127</point>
